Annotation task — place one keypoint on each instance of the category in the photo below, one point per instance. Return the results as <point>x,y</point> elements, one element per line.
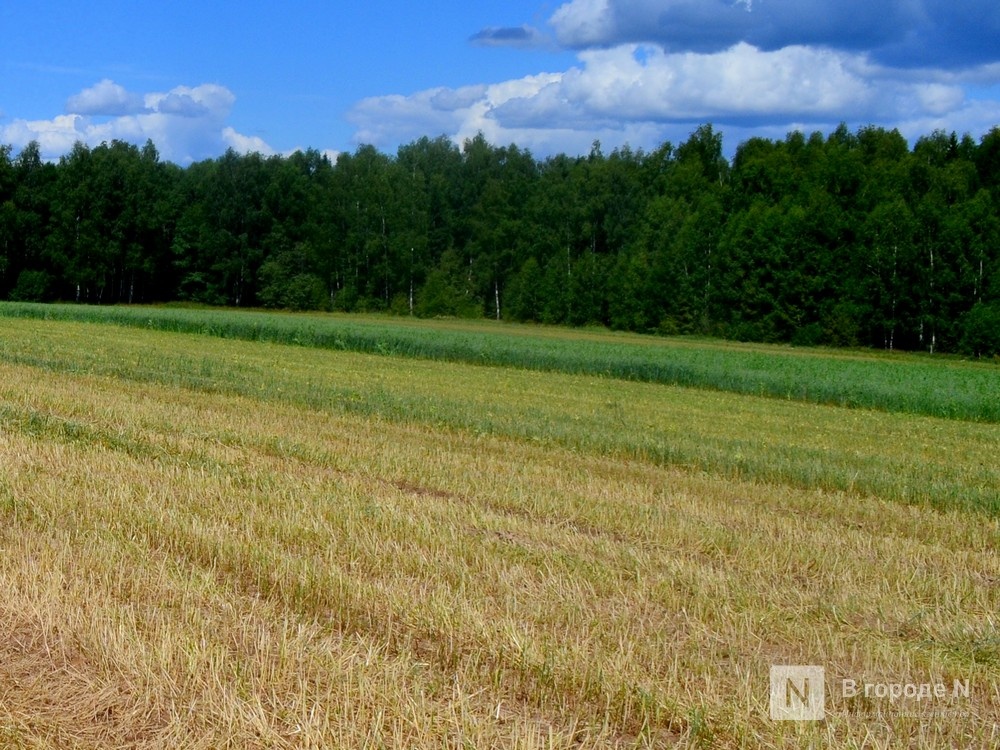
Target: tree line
<point>850,239</point>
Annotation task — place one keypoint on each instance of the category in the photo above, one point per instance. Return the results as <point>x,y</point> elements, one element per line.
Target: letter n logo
<point>798,693</point>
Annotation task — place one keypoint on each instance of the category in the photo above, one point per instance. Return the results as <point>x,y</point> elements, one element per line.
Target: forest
<point>850,239</point>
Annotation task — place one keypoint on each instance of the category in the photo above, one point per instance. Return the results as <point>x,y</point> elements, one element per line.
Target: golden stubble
<point>184,569</point>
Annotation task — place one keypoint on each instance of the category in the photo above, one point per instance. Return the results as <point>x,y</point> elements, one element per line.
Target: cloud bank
<point>902,33</point>
<point>649,70</point>
<point>186,123</point>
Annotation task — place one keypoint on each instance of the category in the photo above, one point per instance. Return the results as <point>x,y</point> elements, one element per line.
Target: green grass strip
<point>946,464</point>
<point>915,384</point>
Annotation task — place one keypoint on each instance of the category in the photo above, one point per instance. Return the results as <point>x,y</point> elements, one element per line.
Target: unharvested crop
<point>914,384</point>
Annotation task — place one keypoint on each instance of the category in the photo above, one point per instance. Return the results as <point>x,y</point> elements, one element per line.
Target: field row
<point>947,464</point>
<point>914,384</point>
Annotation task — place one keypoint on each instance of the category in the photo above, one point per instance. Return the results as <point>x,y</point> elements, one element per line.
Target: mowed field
<point>210,542</point>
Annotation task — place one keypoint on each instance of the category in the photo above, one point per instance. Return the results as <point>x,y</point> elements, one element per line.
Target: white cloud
<point>395,119</point>
<point>105,98</point>
<point>245,144</point>
<point>186,123</point>
<point>651,70</point>
<point>207,100</point>
<point>583,23</point>
<point>976,116</point>
<point>744,83</point>
<point>56,136</point>
<point>641,94</point>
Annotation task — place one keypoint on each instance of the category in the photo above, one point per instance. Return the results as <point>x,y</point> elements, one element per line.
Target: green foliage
<point>981,331</point>
<point>809,335</point>
<point>441,297</point>
<point>301,291</point>
<point>854,239</point>
<point>32,286</point>
<point>286,283</point>
<point>448,291</point>
<point>526,293</point>
<point>841,325</point>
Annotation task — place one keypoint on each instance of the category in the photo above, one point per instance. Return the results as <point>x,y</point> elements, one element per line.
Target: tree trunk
<point>411,281</point>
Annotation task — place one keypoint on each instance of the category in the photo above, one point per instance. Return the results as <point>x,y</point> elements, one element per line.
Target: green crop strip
<point>948,464</point>
<point>945,387</point>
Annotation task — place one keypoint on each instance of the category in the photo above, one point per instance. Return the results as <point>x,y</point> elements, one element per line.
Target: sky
<point>201,77</point>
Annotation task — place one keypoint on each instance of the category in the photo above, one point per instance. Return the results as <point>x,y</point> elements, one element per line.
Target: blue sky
<point>201,77</point>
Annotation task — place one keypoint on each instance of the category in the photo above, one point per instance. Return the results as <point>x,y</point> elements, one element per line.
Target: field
<point>904,383</point>
<point>316,531</point>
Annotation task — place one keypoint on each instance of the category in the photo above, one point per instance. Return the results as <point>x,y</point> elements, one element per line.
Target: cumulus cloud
<point>182,105</point>
<point>208,100</point>
<point>903,33</point>
<point>642,94</point>
<point>650,70</point>
<point>56,136</point>
<point>246,143</point>
<point>105,98</point>
<point>392,119</point>
<point>186,123</point>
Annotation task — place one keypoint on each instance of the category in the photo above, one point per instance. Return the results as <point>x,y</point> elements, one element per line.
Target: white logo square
<point>798,693</point>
